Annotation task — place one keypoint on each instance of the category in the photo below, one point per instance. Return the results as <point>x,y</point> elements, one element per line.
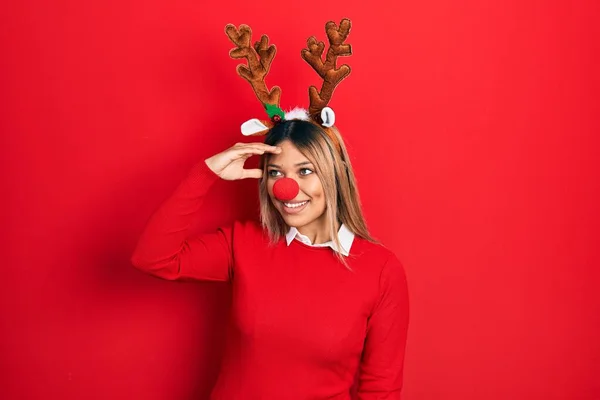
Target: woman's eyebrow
<point>297,165</point>
<point>303,163</point>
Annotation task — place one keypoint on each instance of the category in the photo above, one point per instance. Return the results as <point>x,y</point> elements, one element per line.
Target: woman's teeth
<point>295,205</point>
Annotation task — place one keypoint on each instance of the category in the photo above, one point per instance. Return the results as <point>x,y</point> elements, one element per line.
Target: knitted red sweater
<point>302,325</point>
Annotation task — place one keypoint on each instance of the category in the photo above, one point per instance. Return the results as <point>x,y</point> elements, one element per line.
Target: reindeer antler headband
<point>259,59</point>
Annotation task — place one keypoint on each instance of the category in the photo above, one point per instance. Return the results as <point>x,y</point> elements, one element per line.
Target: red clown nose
<point>286,189</point>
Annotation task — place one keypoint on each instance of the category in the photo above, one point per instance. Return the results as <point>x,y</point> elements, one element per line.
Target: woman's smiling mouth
<point>294,208</point>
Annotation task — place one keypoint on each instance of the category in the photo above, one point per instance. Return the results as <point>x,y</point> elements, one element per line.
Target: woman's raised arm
<point>166,247</point>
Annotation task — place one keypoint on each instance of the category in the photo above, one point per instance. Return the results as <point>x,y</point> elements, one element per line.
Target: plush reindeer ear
<point>259,60</point>
<point>328,117</point>
<point>256,127</point>
<point>327,70</point>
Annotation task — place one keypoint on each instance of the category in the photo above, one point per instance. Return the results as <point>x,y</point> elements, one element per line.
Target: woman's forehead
<point>289,157</point>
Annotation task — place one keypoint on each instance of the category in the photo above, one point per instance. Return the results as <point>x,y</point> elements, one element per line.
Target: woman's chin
<point>292,220</point>
<point>297,219</point>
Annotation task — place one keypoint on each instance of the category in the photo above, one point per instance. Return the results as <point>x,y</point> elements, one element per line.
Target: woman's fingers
<point>256,148</point>
<point>255,144</point>
<point>229,164</point>
<point>246,150</point>
<point>246,153</point>
<point>252,173</point>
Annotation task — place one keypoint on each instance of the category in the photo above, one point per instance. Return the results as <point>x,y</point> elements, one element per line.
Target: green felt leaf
<point>273,110</point>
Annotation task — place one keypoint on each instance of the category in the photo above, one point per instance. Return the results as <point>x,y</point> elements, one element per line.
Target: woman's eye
<point>306,171</point>
<point>273,173</point>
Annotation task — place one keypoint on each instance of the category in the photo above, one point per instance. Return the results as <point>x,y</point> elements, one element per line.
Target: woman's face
<point>307,209</point>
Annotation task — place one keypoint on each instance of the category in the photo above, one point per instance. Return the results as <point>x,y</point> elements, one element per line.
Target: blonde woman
<point>317,303</point>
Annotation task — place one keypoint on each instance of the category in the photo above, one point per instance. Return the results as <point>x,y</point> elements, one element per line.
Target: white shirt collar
<point>345,236</point>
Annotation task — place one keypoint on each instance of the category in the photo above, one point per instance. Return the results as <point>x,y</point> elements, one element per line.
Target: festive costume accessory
<point>259,58</point>
<point>286,189</point>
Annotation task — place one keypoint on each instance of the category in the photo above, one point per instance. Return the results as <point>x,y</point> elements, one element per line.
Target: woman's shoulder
<point>376,256</point>
<point>379,268</point>
<point>373,249</point>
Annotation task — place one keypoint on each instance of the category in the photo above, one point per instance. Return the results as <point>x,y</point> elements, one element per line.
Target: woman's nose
<point>286,189</point>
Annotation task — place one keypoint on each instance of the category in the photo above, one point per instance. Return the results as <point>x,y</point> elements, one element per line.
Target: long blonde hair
<point>325,148</point>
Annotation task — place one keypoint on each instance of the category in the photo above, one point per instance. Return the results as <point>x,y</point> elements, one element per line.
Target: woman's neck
<point>317,231</point>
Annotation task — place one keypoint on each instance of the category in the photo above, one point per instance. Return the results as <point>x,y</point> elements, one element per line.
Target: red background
<point>473,128</point>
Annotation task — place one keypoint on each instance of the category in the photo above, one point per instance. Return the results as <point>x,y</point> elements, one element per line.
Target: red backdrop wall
<point>472,125</point>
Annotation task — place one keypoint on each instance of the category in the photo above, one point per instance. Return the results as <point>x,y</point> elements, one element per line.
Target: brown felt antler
<point>327,70</point>
<point>259,61</point>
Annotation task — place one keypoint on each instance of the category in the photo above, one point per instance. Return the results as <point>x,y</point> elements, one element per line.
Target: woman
<point>303,324</point>
<point>316,301</point>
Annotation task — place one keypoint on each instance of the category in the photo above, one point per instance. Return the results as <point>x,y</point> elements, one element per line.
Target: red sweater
<point>302,325</point>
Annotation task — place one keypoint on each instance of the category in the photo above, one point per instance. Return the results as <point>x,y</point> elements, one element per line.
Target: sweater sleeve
<point>167,250</point>
<point>381,367</point>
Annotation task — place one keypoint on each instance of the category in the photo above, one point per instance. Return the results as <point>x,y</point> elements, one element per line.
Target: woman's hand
<point>229,164</point>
